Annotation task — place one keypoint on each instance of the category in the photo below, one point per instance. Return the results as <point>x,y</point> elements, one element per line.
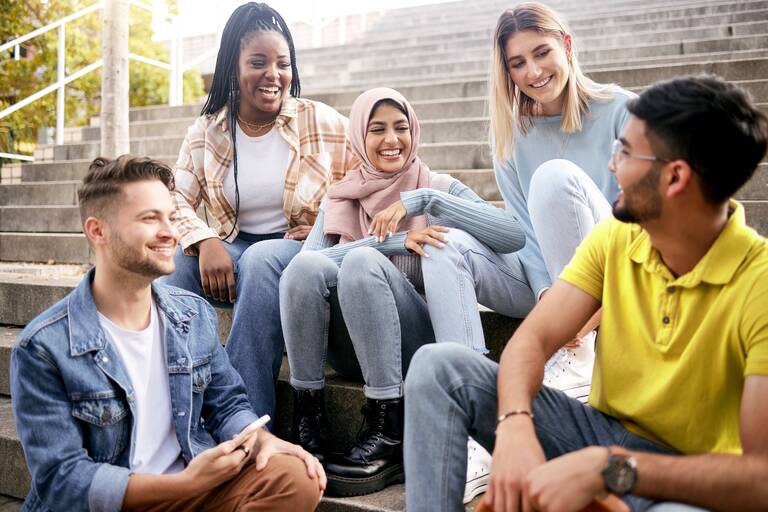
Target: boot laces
<point>371,429</point>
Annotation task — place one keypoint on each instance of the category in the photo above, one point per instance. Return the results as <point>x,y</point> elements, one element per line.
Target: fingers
<point>298,233</point>
<point>322,479</point>
<point>231,286</point>
<point>432,236</point>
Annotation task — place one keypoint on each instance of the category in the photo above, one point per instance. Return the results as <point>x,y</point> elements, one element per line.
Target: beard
<point>131,258</point>
<point>642,201</point>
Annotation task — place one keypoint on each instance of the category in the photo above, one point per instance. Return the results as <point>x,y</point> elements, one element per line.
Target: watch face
<point>619,474</point>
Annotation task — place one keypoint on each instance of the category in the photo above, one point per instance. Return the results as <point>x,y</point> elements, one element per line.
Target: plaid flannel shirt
<point>320,154</point>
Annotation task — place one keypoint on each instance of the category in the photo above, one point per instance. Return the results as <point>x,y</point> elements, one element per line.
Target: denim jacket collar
<point>86,334</point>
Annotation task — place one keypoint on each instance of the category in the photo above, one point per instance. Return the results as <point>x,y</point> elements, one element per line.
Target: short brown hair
<point>106,178</point>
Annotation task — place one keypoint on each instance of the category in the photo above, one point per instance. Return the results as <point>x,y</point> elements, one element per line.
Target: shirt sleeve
<point>530,255</point>
<point>586,269</point>
<point>189,190</point>
<point>64,476</point>
<point>496,228</point>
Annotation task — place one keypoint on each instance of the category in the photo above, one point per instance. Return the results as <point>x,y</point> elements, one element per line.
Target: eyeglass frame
<point>618,148</point>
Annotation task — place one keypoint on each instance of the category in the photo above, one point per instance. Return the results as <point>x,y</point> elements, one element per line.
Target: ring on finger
<point>246,450</point>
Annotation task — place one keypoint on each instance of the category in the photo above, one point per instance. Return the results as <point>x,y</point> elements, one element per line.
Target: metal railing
<point>176,68</point>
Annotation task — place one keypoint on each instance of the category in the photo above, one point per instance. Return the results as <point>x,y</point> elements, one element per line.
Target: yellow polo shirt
<point>673,352</point>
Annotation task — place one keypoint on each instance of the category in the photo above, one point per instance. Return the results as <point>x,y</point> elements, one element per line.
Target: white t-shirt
<point>262,163</point>
<point>157,450</point>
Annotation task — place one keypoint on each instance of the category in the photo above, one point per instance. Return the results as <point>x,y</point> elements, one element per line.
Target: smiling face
<point>538,66</point>
<point>639,199</point>
<point>388,138</point>
<point>264,74</point>
<point>141,237</point>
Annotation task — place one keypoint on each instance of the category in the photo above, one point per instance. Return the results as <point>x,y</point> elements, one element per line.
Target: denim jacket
<point>74,404</point>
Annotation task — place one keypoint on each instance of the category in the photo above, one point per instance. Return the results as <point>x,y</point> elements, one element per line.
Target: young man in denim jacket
<point>122,394</point>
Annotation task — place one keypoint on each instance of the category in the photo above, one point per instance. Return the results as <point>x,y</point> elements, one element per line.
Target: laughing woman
<point>259,158</point>
<point>552,132</point>
<point>355,299</point>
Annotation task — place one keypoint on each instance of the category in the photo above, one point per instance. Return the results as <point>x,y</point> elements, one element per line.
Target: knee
<point>268,256</point>
<point>288,486</point>
<point>552,180</point>
<point>432,365</point>
<point>307,267</point>
<point>458,243</point>
<point>359,265</point>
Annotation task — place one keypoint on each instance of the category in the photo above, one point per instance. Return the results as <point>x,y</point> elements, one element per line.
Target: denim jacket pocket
<point>105,424</point>
<point>201,374</point>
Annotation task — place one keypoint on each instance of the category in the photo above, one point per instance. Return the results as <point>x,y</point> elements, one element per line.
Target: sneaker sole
<point>580,393</point>
<point>343,486</point>
<point>475,487</point>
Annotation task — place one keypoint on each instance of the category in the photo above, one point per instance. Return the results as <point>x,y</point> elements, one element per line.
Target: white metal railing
<point>176,68</point>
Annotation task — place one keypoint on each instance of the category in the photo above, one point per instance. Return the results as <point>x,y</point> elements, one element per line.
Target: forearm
<point>712,481</point>
<point>391,246</point>
<point>521,372</point>
<point>490,225</point>
<point>144,490</point>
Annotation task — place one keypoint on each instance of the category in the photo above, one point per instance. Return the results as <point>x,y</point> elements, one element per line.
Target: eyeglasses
<point>619,154</point>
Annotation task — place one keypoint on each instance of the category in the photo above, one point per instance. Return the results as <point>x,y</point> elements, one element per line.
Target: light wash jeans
<point>364,316</point>
<point>564,205</point>
<point>451,394</point>
<point>255,344</point>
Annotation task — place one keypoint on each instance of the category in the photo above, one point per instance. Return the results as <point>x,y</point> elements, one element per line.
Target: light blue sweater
<point>590,149</point>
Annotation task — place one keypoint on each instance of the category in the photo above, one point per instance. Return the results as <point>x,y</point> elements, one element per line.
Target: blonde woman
<point>552,131</point>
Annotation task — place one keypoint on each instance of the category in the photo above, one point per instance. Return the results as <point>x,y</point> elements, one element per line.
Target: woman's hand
<point>432,235</point>
<point>217,271</point>
<point>298,233</point>
<point>386,221</point>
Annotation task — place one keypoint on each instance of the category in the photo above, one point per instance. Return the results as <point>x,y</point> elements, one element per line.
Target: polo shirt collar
<point>720,262</point>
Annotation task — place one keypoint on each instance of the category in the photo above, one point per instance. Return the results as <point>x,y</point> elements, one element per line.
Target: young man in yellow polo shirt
<point>679,404</point>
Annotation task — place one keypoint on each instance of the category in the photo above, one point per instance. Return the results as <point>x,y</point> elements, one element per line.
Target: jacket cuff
<point>107,489</point>
<point>236,424</point>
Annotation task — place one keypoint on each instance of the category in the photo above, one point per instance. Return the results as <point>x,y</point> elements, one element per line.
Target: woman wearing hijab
<point>354,295</point>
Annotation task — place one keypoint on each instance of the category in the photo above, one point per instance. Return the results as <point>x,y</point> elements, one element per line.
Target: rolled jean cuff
<point>383,393</point>
<point>307,384</point>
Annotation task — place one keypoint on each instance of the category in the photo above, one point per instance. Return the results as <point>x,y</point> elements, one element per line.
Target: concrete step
<point>591,49</point>
<point>37,219</point>
<point>579,22</point>
<point>10,504</point>
<point>44,247</point>
<point>41,193</point>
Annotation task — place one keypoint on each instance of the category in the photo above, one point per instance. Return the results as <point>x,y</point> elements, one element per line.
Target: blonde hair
<point>508,106</point>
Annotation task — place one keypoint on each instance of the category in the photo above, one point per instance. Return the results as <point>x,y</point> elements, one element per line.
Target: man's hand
<point>215,466</point>
<point>516,454</point>
<point>217,271</point>
<point>569,482</point>
<point>270,445</point>
<point>386,221</point>
<point>298,233</point>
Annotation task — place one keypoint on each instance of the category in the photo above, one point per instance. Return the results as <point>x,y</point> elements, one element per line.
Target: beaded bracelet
<point>513,413</point>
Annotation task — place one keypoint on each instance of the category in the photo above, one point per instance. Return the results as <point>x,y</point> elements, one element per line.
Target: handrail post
<point>180,71</point>
<point>115,135</point>
<point>172,73</point>
<point>60,72</point>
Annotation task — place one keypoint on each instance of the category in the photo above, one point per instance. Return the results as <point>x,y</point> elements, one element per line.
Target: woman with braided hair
<point>260,158</point>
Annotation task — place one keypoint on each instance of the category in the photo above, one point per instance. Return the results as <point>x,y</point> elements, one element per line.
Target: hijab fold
<point>361,194</point>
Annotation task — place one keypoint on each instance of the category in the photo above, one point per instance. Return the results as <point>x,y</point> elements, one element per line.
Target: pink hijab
<point>361,194</point>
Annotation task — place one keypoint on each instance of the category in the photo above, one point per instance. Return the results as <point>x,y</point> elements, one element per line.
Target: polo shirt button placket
<point>665,320</point>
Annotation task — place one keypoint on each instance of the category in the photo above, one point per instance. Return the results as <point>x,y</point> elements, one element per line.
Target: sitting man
<point>121,391</point>
<point>679,400</point>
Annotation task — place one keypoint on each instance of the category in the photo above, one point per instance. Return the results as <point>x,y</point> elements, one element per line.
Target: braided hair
<point>225,89</point>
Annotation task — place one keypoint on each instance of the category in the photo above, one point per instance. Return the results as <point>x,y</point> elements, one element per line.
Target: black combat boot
<point>376,459</point>
<point>310,424</point>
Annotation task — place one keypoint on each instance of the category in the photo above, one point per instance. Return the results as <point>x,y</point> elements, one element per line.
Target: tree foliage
<point>36,69</point>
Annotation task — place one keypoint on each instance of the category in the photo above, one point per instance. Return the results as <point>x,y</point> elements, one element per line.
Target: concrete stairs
<point>438,57</point>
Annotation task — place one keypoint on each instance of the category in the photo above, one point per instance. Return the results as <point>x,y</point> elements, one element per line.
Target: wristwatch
<point>620,474</point>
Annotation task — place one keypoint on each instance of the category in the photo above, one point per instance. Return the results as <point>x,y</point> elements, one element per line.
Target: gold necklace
<point>256,126</point>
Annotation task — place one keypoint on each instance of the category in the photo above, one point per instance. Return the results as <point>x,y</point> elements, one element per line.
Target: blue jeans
<point>255,344</point>
<point>365,316</point>
<point>451,394</point>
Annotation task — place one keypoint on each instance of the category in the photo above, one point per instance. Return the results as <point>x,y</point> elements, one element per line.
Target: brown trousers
<point>282,485</point>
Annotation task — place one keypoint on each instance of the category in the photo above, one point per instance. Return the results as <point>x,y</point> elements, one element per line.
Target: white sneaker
<point>570,369</point>
<point>478,470</point>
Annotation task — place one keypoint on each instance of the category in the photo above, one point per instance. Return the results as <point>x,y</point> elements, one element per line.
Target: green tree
<point>22,77</point>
